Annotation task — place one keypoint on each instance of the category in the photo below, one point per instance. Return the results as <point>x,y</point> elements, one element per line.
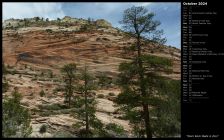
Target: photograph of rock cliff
<point>91,70</point>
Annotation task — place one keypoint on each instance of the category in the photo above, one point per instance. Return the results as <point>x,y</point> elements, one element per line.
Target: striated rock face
<point>35,49</point>
<point>102,49</point>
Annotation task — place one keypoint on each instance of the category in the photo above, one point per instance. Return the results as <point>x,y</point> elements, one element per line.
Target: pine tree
<point>26,22</point>
<point>140,80</point>
<point>15,118</point>
<point>87,105</point>
<point>4,70</point>
<point>37,19</point>
<point>68,72</point>
<point>58,22</point>
<point>89,20</point>
<point>5,84</point>
<point>131,99</point>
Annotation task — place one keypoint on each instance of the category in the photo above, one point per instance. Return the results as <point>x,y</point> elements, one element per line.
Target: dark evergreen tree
<point>142,85</point>
<point>5,84</point>
<point>37,19</point>
<point>15,118</point>
<point>86,105</point>
<point>68,72</point>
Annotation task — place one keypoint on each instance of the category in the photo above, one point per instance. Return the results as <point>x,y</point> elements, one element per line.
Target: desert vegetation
<point>84,78</point>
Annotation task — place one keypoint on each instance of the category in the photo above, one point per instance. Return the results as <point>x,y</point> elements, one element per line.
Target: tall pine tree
<point>68,72</point>
<point>15,118</point>
<point>142,85</point>
<point>86,105</point>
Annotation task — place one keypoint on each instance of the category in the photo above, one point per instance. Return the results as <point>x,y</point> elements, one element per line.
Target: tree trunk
<point>87,119</point>
<point>143,91</point>
<point>70,93</point>
<point>69,102</point>
<point>86,108</point>
<point>147,121</point>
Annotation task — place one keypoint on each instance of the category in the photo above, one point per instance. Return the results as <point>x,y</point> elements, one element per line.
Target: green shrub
<point>96,61</point>
<point>105,39</point>
<point>104,80</point>
<point>33,79</point>
<point>65,111</point>
<point>51,75</point>
<point>111,94</point>
<point>42,74</point>
<point>43,129</point>
<point>31,94</point>
<point>4,69</point>
<point>108,46</point>
<point>100,96</point>
<point>42,93</point>
<point>118,129</point>
<point>49,30</point>
<point>5,86</point>
<point>57,89</point>
<point>13,72</point>
<point>84,28</point>
<point>98,39</point>
<point>42,79</point>
<point>34,110</point>
<point>10,67</point>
